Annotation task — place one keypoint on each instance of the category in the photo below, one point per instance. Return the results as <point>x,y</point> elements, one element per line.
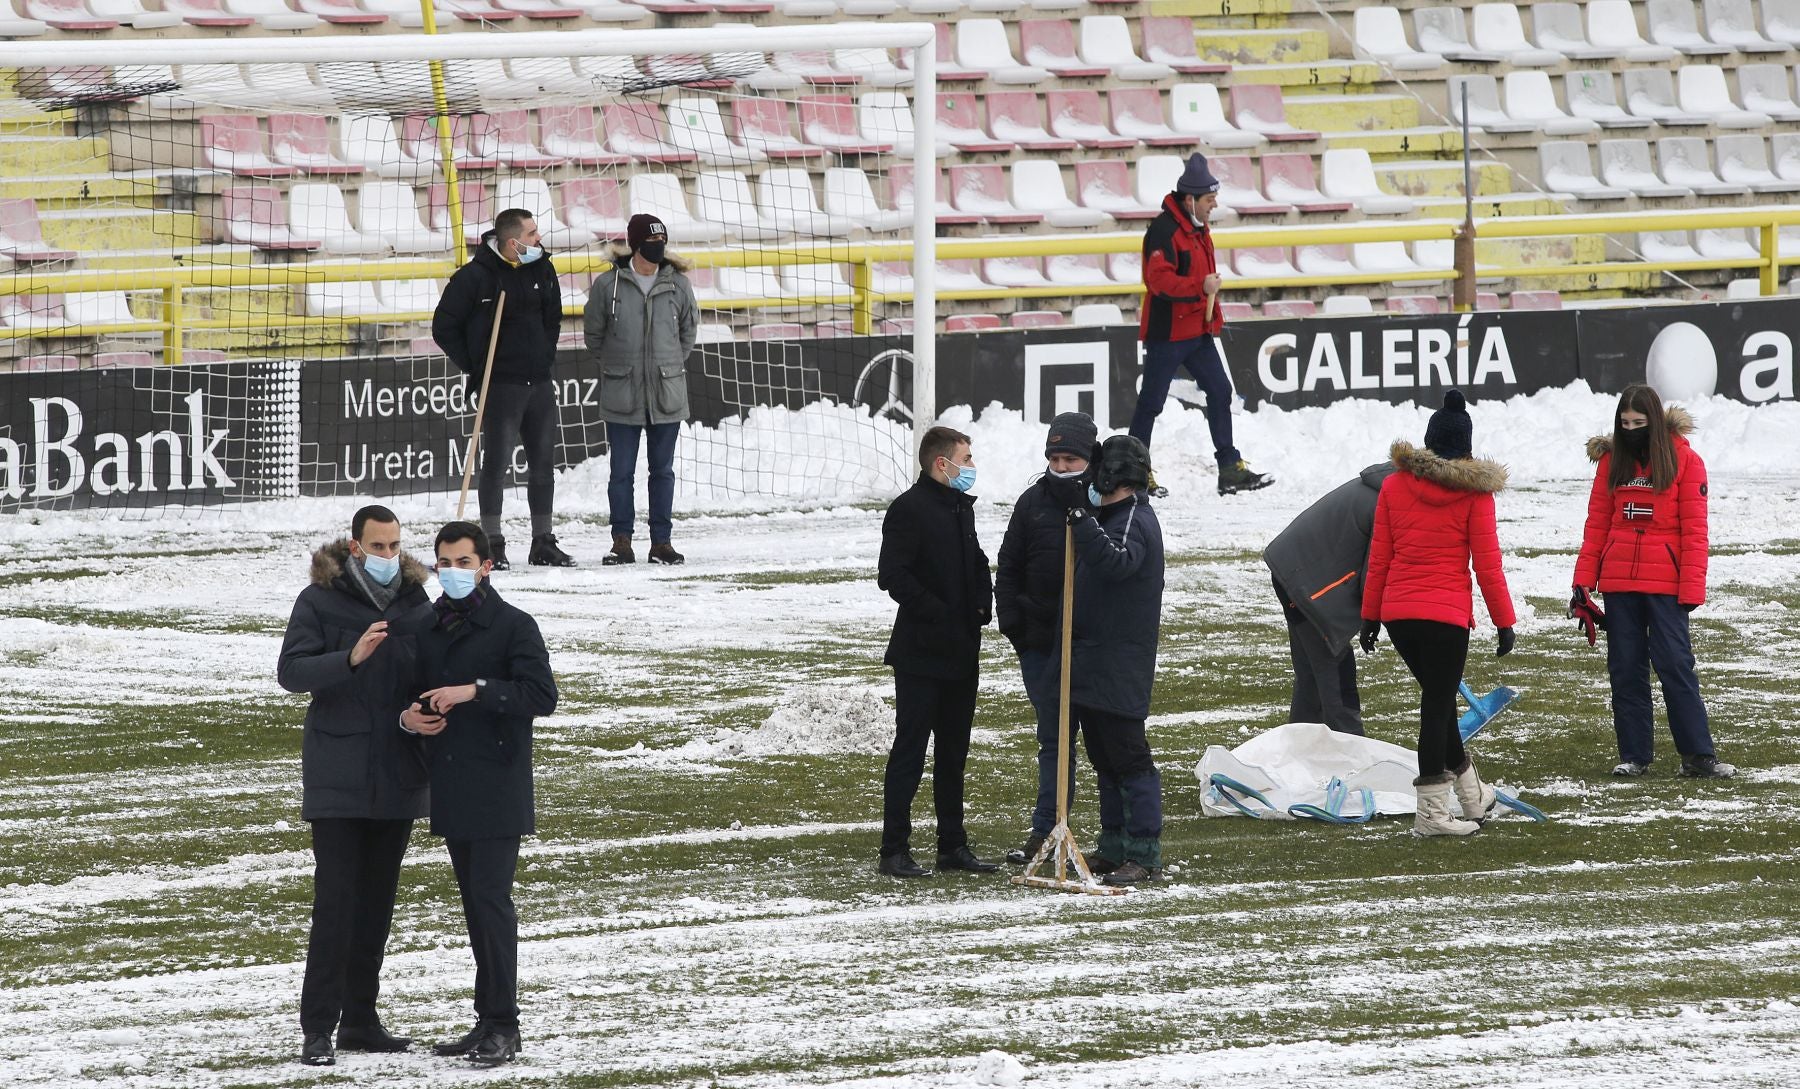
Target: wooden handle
<point>487,374</point>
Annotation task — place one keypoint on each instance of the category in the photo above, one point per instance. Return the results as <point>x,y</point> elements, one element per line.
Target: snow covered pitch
<point>702,906</point>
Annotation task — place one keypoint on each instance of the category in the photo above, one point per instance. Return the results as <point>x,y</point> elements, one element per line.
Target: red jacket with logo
<point>1178,257</point>
<point>1432,520</point>
<point>1640,540</point>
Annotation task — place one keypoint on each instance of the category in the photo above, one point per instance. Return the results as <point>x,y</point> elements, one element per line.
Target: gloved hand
<point>1506,643</point>
<point>1577,599</point>
<point>1067,492</point>
<point>1370,629</point>
<point>1690,608</point>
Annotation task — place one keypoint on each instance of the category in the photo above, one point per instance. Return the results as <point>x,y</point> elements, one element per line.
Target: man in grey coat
<point>1318,563</point>
<point>642,321</point>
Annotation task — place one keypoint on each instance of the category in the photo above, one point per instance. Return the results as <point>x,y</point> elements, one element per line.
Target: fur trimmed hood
<point>1462,475</point>
<point>328,563</point>
<point>1681,425</point>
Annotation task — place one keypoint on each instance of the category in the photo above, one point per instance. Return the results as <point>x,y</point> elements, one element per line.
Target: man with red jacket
<point>1180,321</point>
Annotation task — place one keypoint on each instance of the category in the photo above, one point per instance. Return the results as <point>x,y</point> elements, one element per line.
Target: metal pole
<point>440,99</point>
<point>924,350</point>
<point>1462,292</point>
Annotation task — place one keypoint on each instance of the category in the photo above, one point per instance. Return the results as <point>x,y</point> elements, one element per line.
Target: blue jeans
<point>1645,631</point>
<point>1044,696</point>
<point>622,441</point>
<point>1200,355</point>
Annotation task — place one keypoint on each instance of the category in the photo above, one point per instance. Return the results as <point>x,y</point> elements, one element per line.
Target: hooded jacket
<point>354,761</point>
<point>1640,540</point>
<point>529,326</point>
<point>1433,518</point>
<point>1319,558</point>
<point>1028,582</point>
<point>1118,610</point>
<point>642,343</point>
<point>1178,257</point>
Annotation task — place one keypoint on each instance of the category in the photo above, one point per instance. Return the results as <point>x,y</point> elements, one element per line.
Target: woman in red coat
<point>1434,517</point>
<point>1644,548</point>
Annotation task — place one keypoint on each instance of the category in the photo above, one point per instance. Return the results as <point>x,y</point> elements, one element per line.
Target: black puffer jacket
<point>1118,608</point>
<point>529,326</point>
<point>1319,559</point>
<point>354,761</point>
<point>932,564</point>
<point>1028,582</point>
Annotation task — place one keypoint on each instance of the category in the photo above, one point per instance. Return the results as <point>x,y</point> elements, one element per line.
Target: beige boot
<point>1433,817</point>
<point>1477,798</point>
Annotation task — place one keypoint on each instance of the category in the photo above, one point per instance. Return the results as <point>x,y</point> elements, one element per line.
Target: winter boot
<point>316,1050</point>
<point>1238,477</point>
<point>665,553</point>
<point>1433,817</point>
<point>1707,767</point>
<point>1157,491</point>
<point>1477,798</point>
<point>497,548</point>
<point>621,551</point>
<point>1130,873</point>
<point>545,553</point>
<point>1630,769</point>
<point>1019,856</point>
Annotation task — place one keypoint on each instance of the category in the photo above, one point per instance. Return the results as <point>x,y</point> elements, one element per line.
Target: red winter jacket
<point>1178,257</point>
<point>1432,518</point>
<point>1640,540</point>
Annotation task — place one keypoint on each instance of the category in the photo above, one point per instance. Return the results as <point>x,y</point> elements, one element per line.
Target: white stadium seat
<point>1733,23</point>
<point>1612,24</point>
<point>1497,28</point>
<point>1700,88</point>
<point>1037,186</point>
<point>1650,92</point>
<point>1195,110</point>
<point>1768,88</point>
<point>1106,42</point>
<point>1744,160</point>
<point>1557,27</point>
<point>1684,161</point>
<point>1673,23</point>
<point>1530,98</point>
<point>1566,168</point>
<point>1626,164</point>
<point>1590,95</point>
<point>1484,111</point>
<point>1380,34</point>
<point>1440,30</point>
<point>1349,174</point>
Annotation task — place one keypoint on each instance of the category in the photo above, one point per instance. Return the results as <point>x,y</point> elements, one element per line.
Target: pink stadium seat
<point>513,144</point>
<point>472,136</point>
<point>1487,300</point>
<point>777,330</point>
<point>766,125</point>
<point>674,7</point>
<point>1078,116</point>
<point>682,68</point>
<point>105,360</point>
<point>1258,107</point>
<point>959,125</point>
<point>341,12</point>
<point>67,15</point>
<point>477,208</point>
<point>40,363</point>
<point>1018,116</point>
<point>813,66</point>
<point>474,11</point>
<point>1050,43</point>
<point>256,215</point>
<point>637,130</point>
<point>971,323</point>
<point>209,355</point>
<point>22,237</point>
<point>303,141</point>
<point>1169,39</point>
<point>1536,300</point>
<point>596,205</point>
<point>1014,271</point>
<point>1289,308</point>
<point>1421,305</point>
<point>1105,185</point>
<point>900,183</point>
<point>416,346</point>
<point>1263,262</point>
<point>234,142</point>
<point>830,330</point>
<point>1237,187</point>
<point>569,133</point>
<point>1292,177</point>
<point>1138,112</point>
<point>1038,319</point>
<point>981,191</point>
<point>206,13</point>
<point>1236,311</point>
<point>830,121</point>
<point>539,9</point>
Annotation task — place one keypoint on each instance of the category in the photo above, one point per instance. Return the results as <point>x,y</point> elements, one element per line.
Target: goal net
<point>219,260</point>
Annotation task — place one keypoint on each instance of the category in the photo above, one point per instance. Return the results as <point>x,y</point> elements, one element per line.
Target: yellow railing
<point>178,318</point>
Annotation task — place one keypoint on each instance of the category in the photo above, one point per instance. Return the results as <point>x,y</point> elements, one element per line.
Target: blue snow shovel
<point>1482,709</point>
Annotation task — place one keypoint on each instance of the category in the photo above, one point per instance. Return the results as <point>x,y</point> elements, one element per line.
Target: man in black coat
<point>1118,620</point>
<point>1317,565</point>
<point>1028,588</point>
<point>521,394</point>
<point>350,645</point>
<point>485,674</point>
<point>933,566</point>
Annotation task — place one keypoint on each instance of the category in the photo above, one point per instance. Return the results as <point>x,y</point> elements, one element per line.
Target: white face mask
<point>380,569</point>
<point>530,254</point>
<point>1070,475</point>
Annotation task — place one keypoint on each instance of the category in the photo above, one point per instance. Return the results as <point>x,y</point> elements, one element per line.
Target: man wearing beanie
<point>1028,600</point>
<point>1180,321</point>
<point>521,396</point>
<point>641,322</point>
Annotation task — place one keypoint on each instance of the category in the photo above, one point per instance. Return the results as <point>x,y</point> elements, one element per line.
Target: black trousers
<point>484,874</point>
<point>356,871</point>
<point>517,414</point>
<point>1436,654</point>
<point>923,707</point>
<point>1324,682</point>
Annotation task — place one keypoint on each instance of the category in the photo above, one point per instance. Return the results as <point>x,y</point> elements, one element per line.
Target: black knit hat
<point>1072,433</point>
<point>1196,179</point>
<point>1450,434</point>
<point>643,228</point>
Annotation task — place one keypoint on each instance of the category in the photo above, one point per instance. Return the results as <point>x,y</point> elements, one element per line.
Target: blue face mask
<point>380,569</point>
<point>1093,495</point>
<point>457,583</point>
<point>530,254</point>
<point>964,478</point>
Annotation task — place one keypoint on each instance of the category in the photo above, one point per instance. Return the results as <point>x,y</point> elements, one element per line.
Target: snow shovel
<point>1482,709</point>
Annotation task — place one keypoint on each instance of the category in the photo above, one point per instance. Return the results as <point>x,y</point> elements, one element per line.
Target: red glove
<point>1589,617</point>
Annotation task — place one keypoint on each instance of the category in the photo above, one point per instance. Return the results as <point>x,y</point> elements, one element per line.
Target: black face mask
<point>652,252</point>
<point>1637,442</point>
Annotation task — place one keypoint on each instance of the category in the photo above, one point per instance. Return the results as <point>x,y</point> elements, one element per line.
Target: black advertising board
<point>1091,369</point>
<point>1743,350</point>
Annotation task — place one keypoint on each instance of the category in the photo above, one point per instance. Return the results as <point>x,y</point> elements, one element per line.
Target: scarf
<point>453,614</point>
<point>379,595</point>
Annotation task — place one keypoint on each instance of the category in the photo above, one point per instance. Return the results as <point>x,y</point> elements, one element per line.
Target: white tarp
<point>1296,764</point>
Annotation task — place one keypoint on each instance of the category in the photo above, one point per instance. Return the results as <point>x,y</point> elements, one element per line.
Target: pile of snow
<point>997,1068</point>
<point>815,720</point>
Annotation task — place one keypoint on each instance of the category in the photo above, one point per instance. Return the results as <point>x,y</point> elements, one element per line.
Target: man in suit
<point>363,782</point>
<point>486,675</point>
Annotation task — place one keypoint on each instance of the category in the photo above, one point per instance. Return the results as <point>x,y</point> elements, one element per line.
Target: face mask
<point>964,478</point>
<point>1637,442</point>
<point>652,252</point>
<point>1070,475</point>
<point>457,583</point>
<point>1093,496</point>
<point>380,569</point>
<point>530,254</point>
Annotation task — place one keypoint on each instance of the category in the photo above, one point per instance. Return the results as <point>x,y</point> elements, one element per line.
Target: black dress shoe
<point>545,553</point>
<point>901,864</point>
<point>463,1044</point>
<point>370,1038</point>
<point>497,1048</point>
<point>316,1051</point>
<point>964,859</point>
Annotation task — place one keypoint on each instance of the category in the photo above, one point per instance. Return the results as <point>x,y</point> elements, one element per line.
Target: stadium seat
<point>1348,174</point>
<point>962,275</point>
<point>1484,110</point>
<point>1685,162</point>
<point>750,282</point>
<point>876,67</point>
<point>21,235</point>
<point>1076,270</point>
<point>1727,244</point>
<point>1747,288</point>
<point>1125,268</point>
<point>1440,30</point>
<point>1259,108</point>
<point>1744,160</point>
<point>777,330</point>
<point>1497,28</point>
<point>387,210</point>
<point>813,67</point>
<point>303,141</point>
<point>959,125</point>
<point>1535,300</point>
<point>533,194</point>
<point>256,215</point>
<point>1156,177</point>
<point>1416,305</point>
<point>617,11</point>
<point>831,330</point>
<point>208,83</point>
<point>764,125</point>
<point>635,130</point>
<point>414,296</point>
<point>1781,20</point>
<point>110,360</point>
<point>1037,188</point>
<point>1345,306</point>
<point>885,119</point>
<point>1673,23</point>
<point>1667,246</point>
<point>1379,34</point>
<point>1733,23</point>
<point>1014,271</point>
<point>1291,178</point>
<point>1037,319</point>
<point>1106,42</point>
<point>342,300</point>
<point>289,86</point>
<point>723,197</point>
<point>817,281</point>
<point>471,135</point>
<point>210,14</point>
<point>594,206</point>
<point>1137,112</point>
<point>807,9</point>
<point>98,308</point>
<point>513,144</point>
<point>900,186</point>
<point>1169,39</point>
<point>13,26</point>
<point>1530,98</point>
<point>43,363</point>
<point>1195,109</point>
<point>1700,88</point>
<point>1487,300</point>
<point>1324,260</point>
<point>1264,263</point>
<point>661,195</point>
<point>1050,43</point>
<point>1650,92</point>
<point>713,332</point>
<point>830,121</point>
<point>849,195</point>
<point>234,143</point>
<point>1382,257</point>
<point>1289,308</point>
<point>949,70</point>
<point>555,75</point>
<point>1236,311</point>
<point>342,12</point>
<point>133,14</point>
<point>1097,314</point>
<point>569,133</point>
<point>785,199</point>
<point>971,323</point>
<point>1565,168</point>
<point>1590,95</point>
<point>1237,187</point>
<point>981,46</point>
<point>981,191</point>
<point>273,14</point>
<point>696,126</point>
<point>1768,89</point>
<point>1557,27</point>
<point>1078,115</point>
<point>316,212</point>
<point>477,209</point>
<point>1626,164</point>
<point>1105,185</point>
<point>1018,117</point>
<point>475,11</point>
<point>1612,24</point>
